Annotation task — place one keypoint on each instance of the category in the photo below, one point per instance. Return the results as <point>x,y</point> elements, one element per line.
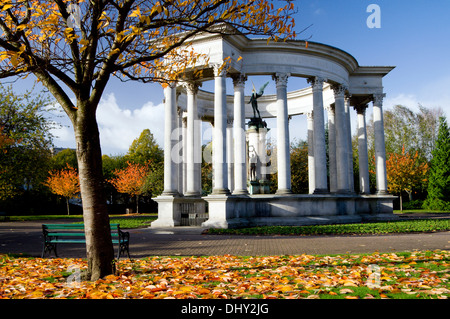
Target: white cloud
<point>409,100</point>
<point>118,127</point>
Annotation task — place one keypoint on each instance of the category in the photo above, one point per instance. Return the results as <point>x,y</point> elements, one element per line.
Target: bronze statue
<point>253,99</point>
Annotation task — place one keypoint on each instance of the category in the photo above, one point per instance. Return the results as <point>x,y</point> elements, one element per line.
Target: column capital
<point>219,69</point>
<point>361,108</point>
<point>378,98</point>
<point>170,84</point>
<point>281,78</point>
<point>239,79</point>
<point>339,90</point>
<point>316,82</point>
<point>310,115</point>
<point>191,86</point>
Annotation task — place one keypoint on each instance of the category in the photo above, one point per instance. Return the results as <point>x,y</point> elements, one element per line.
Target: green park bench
<point>74,234</point>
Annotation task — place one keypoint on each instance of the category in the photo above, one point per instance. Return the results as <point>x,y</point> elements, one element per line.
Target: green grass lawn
<point>404,226</point>
<point>427,225</point>
<point>125,221</point>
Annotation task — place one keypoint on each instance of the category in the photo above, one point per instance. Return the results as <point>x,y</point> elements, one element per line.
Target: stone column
<point>364,187</point>
<point>198,153</point>
<point>192,117</point>
<point>341,140</point>
<point>332,147</point>
<point>170,119</point>
<point>230,155</point>
<point>351,183</point>
<point>311,166</point>
<point>184,166</point>
<point>320,157</point>
<point>283,142</point>
<point>380,148</point>
<point>219,134</point>
<point>240,172</point>
<point>181,151</point>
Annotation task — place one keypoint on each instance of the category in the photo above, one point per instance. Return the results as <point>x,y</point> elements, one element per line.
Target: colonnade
<point>182,177</point>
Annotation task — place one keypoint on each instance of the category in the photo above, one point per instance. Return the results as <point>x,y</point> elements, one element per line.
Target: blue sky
<point>414,36</point>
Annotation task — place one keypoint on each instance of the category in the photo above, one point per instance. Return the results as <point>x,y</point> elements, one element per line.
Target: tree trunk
<point>401,202</point>
<point>99,248</point>
<point>137,204</point>
<point>67,204</point>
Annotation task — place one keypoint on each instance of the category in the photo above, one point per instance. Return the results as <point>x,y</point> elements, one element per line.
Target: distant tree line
<point>35,179</point>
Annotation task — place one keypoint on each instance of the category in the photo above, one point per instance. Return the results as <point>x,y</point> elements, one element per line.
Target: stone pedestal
<point>171,209</point>
<point>221,212</point>
<point>258,182</point>
<point>169,214</point>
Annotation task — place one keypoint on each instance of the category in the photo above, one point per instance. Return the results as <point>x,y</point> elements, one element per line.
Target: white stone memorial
<point>240,156</point>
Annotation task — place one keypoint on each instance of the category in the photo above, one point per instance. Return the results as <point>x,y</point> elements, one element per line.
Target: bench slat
<point>67,241</point>
<point>75,241</point>
<point>70,226</point>
<point>67,234</point>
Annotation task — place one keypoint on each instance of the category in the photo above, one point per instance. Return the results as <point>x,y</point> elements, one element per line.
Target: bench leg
<point>123,247</point>
<point>48,247</point>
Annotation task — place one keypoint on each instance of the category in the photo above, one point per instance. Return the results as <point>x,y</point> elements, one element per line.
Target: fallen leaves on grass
<point>408,275</point>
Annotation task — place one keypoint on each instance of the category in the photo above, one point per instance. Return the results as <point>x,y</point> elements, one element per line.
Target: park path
<point>26,238</point>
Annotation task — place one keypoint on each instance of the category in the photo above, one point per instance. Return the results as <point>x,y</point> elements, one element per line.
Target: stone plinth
<point>296,210</point>
<point>171,209</point>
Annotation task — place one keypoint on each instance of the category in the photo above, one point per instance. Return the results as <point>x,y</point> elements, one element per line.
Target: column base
<point>170,193</point>
<point>382,193</point>
<point>240,192</point>
<point>192,194</point>
<point>221,191</point>
<point>283,192</point>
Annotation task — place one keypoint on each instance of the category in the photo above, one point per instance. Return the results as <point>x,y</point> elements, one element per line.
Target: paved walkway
<point>26,237</point>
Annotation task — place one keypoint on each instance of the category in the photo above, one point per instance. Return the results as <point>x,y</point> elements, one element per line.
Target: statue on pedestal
<point>254,102</point>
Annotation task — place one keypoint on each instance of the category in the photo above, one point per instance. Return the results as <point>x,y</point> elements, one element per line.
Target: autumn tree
<point>439,184</point>
<point>5,141</point>
<point>405,173</point>
<point>131,180</point>
<point>25,141</point>
<point>74,47</point>
<point>64,183</point>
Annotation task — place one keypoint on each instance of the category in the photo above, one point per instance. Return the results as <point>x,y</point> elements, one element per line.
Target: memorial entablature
<point>337,85</point>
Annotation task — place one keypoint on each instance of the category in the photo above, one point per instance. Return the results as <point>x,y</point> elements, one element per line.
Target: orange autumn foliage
<point>64,183</point>
<point>5,141</point>
<point>131,179</point>
<point>344,276</point>
<point>405,172</point>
